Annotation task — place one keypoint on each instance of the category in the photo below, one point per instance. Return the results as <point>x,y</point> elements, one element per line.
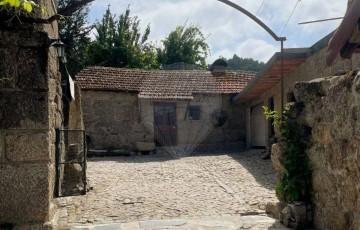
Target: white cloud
<point>230,31</point>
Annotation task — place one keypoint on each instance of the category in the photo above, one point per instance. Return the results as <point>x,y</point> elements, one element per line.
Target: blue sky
<point>229,31</point>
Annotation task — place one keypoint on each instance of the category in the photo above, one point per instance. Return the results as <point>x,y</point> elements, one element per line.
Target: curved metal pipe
<point>253,17</point>
<point>272,33</point>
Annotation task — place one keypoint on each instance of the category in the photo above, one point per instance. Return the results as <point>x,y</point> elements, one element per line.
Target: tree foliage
<point>119,43</point>
<point>248,64</point>
<point>18,7</point>
<point>184,44</point>
<point>75,33</point>
<point>25,5</point>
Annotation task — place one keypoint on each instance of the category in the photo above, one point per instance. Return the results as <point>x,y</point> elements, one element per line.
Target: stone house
<point>300,64</point>
<point>128,109</point>
<point>243,96</point>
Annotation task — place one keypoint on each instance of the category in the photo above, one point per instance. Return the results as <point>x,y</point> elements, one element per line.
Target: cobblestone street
<point>140,188</point>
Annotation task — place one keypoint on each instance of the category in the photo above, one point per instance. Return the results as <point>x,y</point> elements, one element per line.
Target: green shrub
<point>295,182</point>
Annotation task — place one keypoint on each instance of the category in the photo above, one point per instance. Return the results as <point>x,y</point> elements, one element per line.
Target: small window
<point>194,113</point>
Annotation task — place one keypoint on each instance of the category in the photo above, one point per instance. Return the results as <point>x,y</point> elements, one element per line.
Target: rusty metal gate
<point>70,163</point>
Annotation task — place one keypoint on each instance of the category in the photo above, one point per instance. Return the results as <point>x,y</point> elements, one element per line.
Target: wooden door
<point>165,127</point>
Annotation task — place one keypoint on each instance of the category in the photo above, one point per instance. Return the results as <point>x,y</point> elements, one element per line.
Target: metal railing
<point>70,163</point>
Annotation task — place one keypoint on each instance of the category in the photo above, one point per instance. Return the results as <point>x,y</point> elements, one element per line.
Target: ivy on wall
<point>295,182</point>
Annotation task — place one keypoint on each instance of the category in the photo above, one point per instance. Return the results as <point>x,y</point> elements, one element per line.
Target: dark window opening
<point>194,113</point>
<point>291,97</point>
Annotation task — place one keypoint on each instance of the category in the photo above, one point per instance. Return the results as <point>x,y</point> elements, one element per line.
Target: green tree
<point>119,43</point>
<point>75,33</point>
<point>247,64</point>
<point>184,44</point>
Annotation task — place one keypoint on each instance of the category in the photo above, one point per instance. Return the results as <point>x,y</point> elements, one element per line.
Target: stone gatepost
<point>332,110</point>
<point>30,111</point>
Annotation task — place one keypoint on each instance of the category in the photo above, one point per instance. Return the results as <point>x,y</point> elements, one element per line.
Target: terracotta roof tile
<point>161,84</point>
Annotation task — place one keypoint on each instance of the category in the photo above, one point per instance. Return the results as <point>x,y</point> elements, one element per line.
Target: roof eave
<point>110,90</point>
<point>288,55</point>
<point>322,43</point>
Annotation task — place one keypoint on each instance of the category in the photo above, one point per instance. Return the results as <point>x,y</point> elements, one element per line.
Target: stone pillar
<point>332,110</point>
<point>30,110</point>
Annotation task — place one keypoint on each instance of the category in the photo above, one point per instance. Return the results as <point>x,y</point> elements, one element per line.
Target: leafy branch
<point>26,7</point>
<point>295,181</point>
<point>20,6</point>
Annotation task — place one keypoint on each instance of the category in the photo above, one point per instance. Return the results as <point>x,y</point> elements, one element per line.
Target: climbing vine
<point>295,182</point>
<point>19,6</point>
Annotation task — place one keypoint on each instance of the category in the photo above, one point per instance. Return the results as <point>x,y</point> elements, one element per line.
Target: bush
<point>295,182</point>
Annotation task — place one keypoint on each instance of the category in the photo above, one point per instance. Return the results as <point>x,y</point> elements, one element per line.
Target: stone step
<point>226,223</point>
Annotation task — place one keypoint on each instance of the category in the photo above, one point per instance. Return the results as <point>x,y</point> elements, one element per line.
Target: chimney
<point>218,68</point>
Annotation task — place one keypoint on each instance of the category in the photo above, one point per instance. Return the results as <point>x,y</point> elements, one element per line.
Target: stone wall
<point>112,120</point>
<point>194,131</point>
<point>332,110</point>
<point>75,111</point>
<point>232,134</point>
<point>30,110</point>
<point>71,147</point>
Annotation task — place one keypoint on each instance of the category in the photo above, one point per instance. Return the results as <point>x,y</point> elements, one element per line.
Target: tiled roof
<point>162,84</point>
<point>111,79</point>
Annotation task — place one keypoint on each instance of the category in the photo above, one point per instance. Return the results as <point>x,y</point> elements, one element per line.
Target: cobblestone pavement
<point>140,188</point>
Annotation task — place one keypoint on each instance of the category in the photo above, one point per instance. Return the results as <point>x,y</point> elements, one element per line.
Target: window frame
<point>191,110</point>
